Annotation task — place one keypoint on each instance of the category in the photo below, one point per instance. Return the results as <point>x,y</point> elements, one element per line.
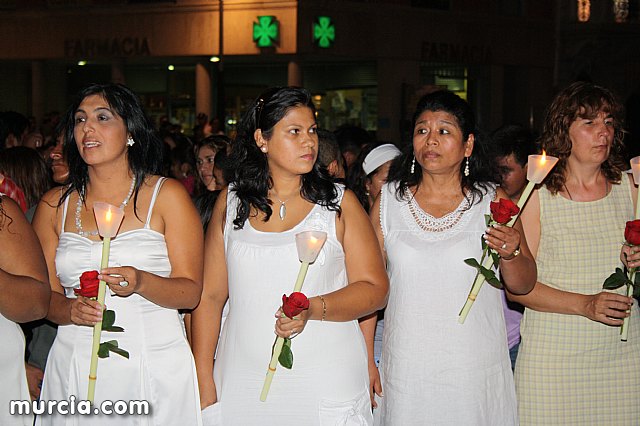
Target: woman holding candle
<point>25,297</point>
<point>278,191</point>
<point>429,218</point>
<point>572,367</point>
<point>155,265</point>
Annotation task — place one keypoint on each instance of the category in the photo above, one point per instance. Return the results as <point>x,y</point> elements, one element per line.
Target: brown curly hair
<point>581,100</point>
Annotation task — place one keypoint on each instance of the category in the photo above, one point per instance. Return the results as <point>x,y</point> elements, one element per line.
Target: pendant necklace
<point>87,234</point>
<point>282,211</point>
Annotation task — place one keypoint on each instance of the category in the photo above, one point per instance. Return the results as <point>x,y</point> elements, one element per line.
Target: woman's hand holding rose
<point>607,308</point>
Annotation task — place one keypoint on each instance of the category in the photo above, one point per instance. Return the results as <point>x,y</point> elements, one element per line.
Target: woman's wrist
<point>318,308</point>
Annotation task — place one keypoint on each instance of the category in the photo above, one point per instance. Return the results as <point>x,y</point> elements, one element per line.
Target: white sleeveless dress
<point>160,368</point>
<point>13,379</point>
<point>328,382</point>
<point>434,370</point>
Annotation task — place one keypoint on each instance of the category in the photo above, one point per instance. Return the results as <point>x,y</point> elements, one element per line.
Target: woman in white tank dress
<point>429,218</point>
<point>25,297</point>
<point>155,267</point>
<point>251,257</point>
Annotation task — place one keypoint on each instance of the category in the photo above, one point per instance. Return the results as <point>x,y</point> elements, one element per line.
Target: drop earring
<point>130,141</point>
<point>466,168</point>
<point>413,165</point>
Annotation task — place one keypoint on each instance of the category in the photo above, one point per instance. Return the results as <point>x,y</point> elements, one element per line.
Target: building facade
<point>365,62</point>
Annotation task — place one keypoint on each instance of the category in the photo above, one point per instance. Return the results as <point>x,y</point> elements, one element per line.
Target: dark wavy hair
<point>581,100</point>
<point>514,139</point>
<point>248,166</point>
<point>28,170</point>
<point>144,157</point>
<point>482,170</point>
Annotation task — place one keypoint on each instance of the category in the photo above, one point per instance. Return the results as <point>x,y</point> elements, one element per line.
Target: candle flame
<point>108,216</point>
<point>543,159</point>
<point>313,240</point>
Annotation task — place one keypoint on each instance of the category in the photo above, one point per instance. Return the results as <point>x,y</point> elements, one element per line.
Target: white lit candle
<point>108,219</point>
<point>538,167</point>
<point>309,244</point>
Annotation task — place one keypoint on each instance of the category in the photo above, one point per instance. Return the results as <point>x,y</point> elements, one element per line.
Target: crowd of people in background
<point>380,341</point>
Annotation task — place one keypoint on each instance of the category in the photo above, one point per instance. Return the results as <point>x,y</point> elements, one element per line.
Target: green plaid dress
<point>571,370</point>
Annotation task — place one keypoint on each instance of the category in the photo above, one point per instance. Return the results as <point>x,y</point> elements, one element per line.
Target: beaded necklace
<point>87,234</point>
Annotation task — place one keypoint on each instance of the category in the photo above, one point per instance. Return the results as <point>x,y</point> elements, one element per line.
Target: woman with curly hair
<point>572,367</point>
<point>278,189</point>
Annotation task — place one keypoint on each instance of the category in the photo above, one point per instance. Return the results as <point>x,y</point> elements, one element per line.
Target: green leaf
<point>103,351</point>
<point>112,345</point>
<point>616,280</point>
<point>490,276</point>
<point>487,219</point>
<point>120,352</point>
<point>108,319</point>
<point>496,257</point>
<point>472,262</point>
<point>286,356</point>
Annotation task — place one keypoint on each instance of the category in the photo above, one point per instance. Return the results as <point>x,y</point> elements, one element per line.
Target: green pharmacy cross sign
<point>324,32</point>
<point>266,31</point>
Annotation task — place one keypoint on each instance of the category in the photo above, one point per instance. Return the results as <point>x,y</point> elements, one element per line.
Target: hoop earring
<point>130,141</point>
<point>413,165</point>
<point>466,168</point>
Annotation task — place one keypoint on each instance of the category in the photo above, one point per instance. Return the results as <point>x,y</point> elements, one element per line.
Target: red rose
<point>503,210</point>
<point>89,284</point>
<point>294,304</point>
<point>632,232</point>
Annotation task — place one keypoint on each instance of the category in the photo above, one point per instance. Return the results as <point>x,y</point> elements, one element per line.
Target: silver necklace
<point>282,211</point>
<point>79,229</point>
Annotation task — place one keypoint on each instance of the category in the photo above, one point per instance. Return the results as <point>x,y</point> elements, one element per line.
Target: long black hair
<point>249,168</point>
<point>144,157</point>
<point>482,170</point>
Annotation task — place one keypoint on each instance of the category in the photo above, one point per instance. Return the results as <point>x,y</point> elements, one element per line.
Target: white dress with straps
<point>328,382</point>
<point>160,368</point>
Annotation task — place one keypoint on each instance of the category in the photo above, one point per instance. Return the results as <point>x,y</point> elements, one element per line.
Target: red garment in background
<point>13,191</point>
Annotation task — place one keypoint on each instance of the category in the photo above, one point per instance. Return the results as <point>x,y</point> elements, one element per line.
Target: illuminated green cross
<point>324,31</point>
<point>266,31</point>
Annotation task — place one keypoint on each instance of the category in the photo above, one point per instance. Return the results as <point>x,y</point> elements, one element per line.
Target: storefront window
<point>446,76</point>
<point>354,107</point>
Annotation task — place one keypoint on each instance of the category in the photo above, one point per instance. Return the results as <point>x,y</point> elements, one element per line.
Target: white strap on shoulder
<point>156,190</point>
<point>65,207</point>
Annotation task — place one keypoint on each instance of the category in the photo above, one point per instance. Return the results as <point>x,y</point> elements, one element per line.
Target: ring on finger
<point>504,246</point>
<point>124,283</point>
